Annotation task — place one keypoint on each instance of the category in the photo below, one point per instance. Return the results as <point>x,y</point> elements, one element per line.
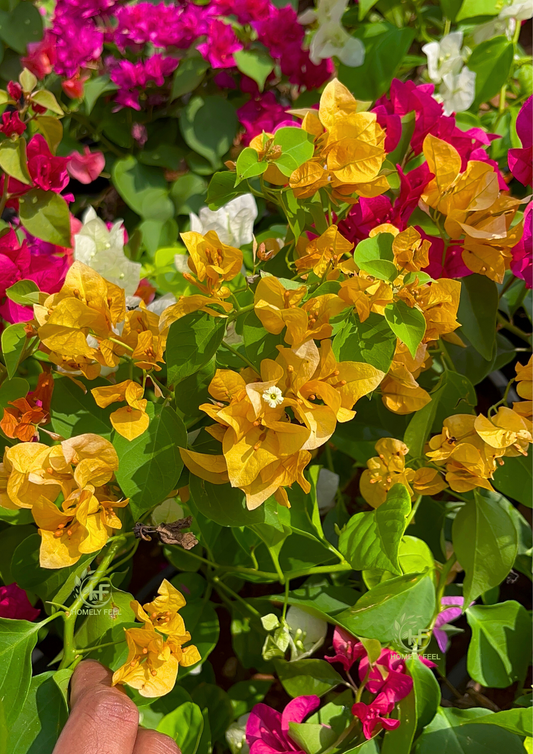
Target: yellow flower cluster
<point>263,451</point>
<point>388,468</point>
<point>471,447</point>
<point>75,474</point>
<point>211,263</point>
<point>474,208</point>
<point>349,149</point>
<point>156,649</point>
<point>86,326</point>
<point>329,256</point>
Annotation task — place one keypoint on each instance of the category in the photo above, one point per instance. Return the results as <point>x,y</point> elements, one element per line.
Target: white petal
<point>326,489</point>
<point>181,262</point>
<point>353,53</point>
<point>159,305</point>
<point>315,628</point>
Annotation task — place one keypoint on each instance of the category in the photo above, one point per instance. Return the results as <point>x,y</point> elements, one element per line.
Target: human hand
<point>103,720</point>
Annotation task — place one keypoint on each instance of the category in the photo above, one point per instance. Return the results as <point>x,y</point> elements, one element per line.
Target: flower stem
<point>236,353</point>
<point>70,652</point>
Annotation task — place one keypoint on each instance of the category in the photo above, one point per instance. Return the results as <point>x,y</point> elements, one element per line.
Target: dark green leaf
<point>426,690</point>
<point>372,539</point>
<point>385,47</point>
<point>305,677</point>
<point>455,731</point>
<point>41,718</point>
<point>75,412</point>
<point>500,650</point>
<point>192,342</point>
<point>21,27</point>
<point>514,720</point>
<point>143,188</point>
<point>514,479</point>
<point>477,312</point>
<point>188,75</point>
<point>222,189</point>
<point>150,465</point>
<point>17,640</point>
<point>491,61</point>
<point>486,544</point>
<point>184,725</point>
<point>208,125</point>
<point>390,610</point>
<point>223,504</point>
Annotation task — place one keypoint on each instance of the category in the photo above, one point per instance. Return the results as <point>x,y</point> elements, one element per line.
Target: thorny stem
<point>70,652</point>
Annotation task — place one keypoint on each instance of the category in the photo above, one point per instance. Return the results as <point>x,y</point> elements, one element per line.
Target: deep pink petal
<point>297,710</point>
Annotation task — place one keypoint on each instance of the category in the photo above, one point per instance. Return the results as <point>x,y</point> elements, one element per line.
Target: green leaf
<point>477,312</point>
<point>47,99</point>
<point>419,428</point>
<point>426,690</point>
<point>296,148</point>
<point>377,614</point>
<point>514,720</point>
<point>215,701</point>
<point>399,741</point>
<point>514,479</point>
<point>409,325</point>
<point>372,539</point>
<point>364,7</point>
<point>101,619</point>
<point>259,344</point>
<point>94,88</point>
<point>223,504</point>
<point>150,465</point>
<point>222,189</point>
<point>208,125</point>
<point>185,725</point>
<point>25,293</point>
<point>41,718</point>
<point>143,188</point>
<point>188,75</point>
<point>375,256</point>
<point>313,738</point>
<point>17,640</point>
<point>385,47</point>
<point>188,193</point>
<point>371,341</point>
<point>202,623</point>
<point>48,584</point>
<point>10,390</point>
<point>14,339</point>
<point>321,601</point>
<point>485,541</point>
<point>500,649</point>
<point>305,677</point>
<point>13,160</point>
<point>455,731</point>
<point>450,8</point>
<point>75,412</point>
<point>52,130</point>
<point>256,64</point>
<point>20,27</point>
<point>192,341</point>
<point>248,165</point>
<point>475,8</point>
<point>491,61</point>
<point>46,215</point>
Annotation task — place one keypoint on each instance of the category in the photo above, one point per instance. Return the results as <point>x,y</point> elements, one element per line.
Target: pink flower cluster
<point>158,35</point>
<point>14,604</point>
<point>31,259</point>
<point>267,731</point>
<point>386,678</point>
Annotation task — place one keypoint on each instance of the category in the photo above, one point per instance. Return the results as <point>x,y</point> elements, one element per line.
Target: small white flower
<point>181,261</point>
<point>444,57</point>
<point>233,223</point>
<point>103,251</point>
<point>273,396</point>
<point>521,11</point>
<point>458,92</point>
<point>307,631</point>
<point>331,38</point>
<point>236,735</point>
